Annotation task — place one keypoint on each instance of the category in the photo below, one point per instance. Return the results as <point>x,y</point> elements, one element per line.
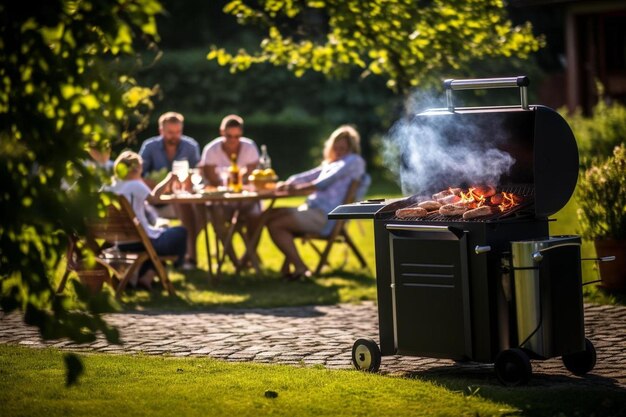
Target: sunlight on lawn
<point>33,384</point>
<point>343,281</point>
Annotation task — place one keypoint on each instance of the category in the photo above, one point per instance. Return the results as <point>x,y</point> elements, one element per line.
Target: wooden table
<point>237,200</point>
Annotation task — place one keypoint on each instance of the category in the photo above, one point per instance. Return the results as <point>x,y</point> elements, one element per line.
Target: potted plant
<point>602,213</point>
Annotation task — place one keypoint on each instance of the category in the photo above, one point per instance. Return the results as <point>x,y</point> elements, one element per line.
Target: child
<point>166,241</point>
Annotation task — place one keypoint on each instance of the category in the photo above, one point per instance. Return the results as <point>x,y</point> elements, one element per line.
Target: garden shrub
<point>600,132</point>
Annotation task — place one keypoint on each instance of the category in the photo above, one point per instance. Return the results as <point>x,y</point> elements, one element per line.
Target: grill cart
<point>494,288</point>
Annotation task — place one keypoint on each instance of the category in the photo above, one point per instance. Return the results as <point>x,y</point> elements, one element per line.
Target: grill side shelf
<point>363,210</point>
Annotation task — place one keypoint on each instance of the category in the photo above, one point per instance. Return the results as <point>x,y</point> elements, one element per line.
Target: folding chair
<point>119,226</point>
<point>339,234</point>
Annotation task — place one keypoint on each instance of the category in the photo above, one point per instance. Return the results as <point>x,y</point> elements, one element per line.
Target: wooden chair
<point>92,277</point>
<point>119,226</point>
<point>339,234</point>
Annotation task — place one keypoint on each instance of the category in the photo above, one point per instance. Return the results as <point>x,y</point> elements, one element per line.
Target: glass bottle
<point>234,180</point>
<point>265,162</point>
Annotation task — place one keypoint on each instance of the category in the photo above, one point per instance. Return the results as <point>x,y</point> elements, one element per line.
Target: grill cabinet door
<point>430,291</point>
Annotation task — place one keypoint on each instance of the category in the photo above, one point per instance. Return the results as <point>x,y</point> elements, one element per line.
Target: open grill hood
<point>537,137</point>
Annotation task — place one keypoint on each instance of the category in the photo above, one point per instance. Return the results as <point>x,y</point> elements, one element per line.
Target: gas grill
<point>495,289</point>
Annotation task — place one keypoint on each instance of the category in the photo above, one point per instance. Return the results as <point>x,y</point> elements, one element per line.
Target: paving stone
<point>320,335</point>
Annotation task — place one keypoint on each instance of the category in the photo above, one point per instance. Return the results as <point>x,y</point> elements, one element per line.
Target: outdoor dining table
<point>236,200</point>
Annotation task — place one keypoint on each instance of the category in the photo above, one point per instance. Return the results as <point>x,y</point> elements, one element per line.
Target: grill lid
<point>537,138</point>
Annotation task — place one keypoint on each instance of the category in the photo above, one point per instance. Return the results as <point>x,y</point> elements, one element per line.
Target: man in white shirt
<point>215,161</point>
<point>216,156</point>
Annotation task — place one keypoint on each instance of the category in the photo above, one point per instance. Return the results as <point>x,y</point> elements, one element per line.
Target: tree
<point>62,88</point>
<point>409,42</point>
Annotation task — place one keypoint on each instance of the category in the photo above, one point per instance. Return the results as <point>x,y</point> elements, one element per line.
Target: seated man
<point>158,153</point>
<point>215,161</point>
<point>128,182</point>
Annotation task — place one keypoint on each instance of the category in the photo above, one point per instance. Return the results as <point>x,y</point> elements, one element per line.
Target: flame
<point>472,198</point>
<point>509,200</point>
<point>479,196</point>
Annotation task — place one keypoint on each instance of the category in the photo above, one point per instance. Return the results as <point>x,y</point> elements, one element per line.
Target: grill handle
<point>444,232</point>
<point>482,249</point>
<point>482,83</point>
<point>418,228</point>
<point>538,256</point>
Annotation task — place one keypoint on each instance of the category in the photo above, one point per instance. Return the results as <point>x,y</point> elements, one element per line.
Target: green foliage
<point>61,90</point>
<point>600,132</point>
<point>408,43</point>
<point>293,116</point>
<point>601,197</point>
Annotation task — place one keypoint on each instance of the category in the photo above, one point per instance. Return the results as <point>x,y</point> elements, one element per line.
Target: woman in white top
<point>329,184</point>
<point>166,241</point>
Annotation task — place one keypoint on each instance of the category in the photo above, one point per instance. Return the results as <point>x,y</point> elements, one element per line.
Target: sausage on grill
<point>452,210</point>
<point>449,199</point>
<point>429,205</point>
<point>408,212</point>
<point>497,199</point>
<point>445,193</point>
<point>477,212</point>
<point>485,190</point>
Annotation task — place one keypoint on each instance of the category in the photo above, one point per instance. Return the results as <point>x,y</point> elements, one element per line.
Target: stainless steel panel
<point>535,295</point>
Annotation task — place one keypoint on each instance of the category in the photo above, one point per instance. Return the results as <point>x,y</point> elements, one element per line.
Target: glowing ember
<point>509,200</point>
<point>478,196</point>
<point>472,198</point>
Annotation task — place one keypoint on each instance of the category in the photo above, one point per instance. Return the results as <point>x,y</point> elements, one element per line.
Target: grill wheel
<point>579,363</point>
<point>366,355</point>
<point>513,367</point>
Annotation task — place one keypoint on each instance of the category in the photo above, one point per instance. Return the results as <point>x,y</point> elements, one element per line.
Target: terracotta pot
<point>92,278</point>
<point>613,274</point>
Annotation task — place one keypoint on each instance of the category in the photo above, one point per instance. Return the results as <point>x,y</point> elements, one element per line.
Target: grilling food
<point>449,199</point>
<point>408,212</point>
<point>497,199</point>
<point>452,210</point>
<point>430,205</point>
<point>503,198</point>
<point>445,193</point>
<point>477,212</point>
<point>485,190</point>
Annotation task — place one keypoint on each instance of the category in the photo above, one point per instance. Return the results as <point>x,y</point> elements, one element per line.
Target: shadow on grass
<point>545,395</point>
<point>195,292</point>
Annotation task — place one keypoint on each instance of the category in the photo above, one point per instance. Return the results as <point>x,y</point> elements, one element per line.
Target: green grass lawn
<point>32,384</point>
<point>343,282</point>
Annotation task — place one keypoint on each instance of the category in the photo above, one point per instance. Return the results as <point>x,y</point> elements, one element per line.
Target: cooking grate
<point>524,209</point>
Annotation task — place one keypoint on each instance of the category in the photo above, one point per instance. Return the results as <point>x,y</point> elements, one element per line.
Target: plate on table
<point>244,193</point>
<point>214,192</point>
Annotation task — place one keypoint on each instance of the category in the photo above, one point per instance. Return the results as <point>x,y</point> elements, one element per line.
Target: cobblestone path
<point>320,335</point>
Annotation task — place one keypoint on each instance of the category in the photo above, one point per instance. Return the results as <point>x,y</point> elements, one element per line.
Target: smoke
<point>431,153</point>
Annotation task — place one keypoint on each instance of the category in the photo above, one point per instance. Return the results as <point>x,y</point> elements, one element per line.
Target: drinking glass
<point>180,168</point>
<point>196,179</point>
<point>224,174</point>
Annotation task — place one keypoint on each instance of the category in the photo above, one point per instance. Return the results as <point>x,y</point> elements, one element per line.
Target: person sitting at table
<point>329,184</point>
<point>158,154</point>
<point>215,161</point>
<point>166,241</point>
